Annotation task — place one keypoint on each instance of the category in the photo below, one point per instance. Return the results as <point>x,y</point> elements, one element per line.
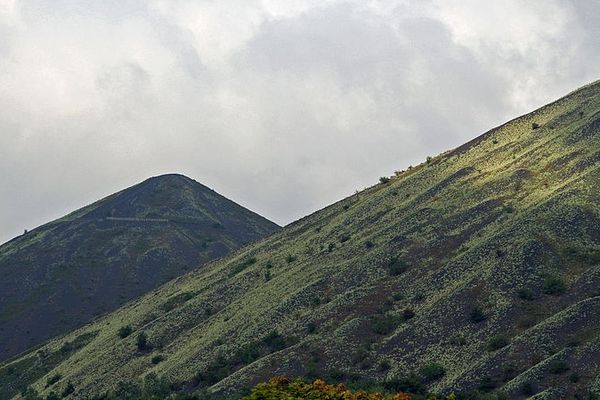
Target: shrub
<point>458,340</point>
<point>68,390</point>
<point>525,294</point>
<point>397,266</point>
<point>284,388</point>
<point>157,359</point>
<point>290,258</point>
<point>528,389</point>
<point>498,342</point>
<point>535,125</point>
<point>407,314</point>
<point>53,396</point>
<point>369,244</point>
<point>574,377</point>
<point>432,372</point>
<point>142,341</point>
<point>124,331</point>
<point>383,325</point>
<point>384,365</point>
<point>477,315</point>
<point>554,286</point>
<point>311,328</point>
<point>558,367</point>
<point>344,238</point>
<point>53,379</point>
<point>384,179</point>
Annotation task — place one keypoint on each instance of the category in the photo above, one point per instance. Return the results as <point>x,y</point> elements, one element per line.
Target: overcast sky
<point>281,105</point>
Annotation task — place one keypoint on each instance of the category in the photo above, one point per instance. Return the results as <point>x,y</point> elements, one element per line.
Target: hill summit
<point>62,274</point>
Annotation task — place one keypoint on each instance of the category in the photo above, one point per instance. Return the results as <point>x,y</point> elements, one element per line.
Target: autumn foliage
<point>285,388</point>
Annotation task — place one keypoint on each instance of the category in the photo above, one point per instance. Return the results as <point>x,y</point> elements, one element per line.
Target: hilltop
<point>61,275</point>
<point>475,272</point>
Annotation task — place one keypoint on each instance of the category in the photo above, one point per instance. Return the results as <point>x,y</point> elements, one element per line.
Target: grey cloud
<point>281,106</point>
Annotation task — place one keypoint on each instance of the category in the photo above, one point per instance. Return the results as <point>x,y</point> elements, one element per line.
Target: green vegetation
<point>125,331</point>
<point>554,286</point>
<point>131,242</point>
<point>469,276</point>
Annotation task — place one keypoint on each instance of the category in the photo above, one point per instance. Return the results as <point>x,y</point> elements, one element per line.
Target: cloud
<point>281,106</point>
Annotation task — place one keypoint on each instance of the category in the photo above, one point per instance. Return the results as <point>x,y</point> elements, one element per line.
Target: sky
<point>284,106</point>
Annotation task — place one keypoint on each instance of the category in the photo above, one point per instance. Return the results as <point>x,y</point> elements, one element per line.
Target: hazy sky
<point>281,105</point>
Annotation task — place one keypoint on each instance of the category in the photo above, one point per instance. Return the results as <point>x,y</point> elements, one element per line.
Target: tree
<point>142,341</point>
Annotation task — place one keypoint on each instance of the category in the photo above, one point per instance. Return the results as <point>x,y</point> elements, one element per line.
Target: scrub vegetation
<point>474,275</point>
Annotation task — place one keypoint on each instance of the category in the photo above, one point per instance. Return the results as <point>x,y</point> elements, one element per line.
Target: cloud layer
<point>283,106</point>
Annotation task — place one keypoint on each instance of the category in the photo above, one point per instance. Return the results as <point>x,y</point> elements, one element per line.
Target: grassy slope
<point>508,211</point>
<point>59,276</point>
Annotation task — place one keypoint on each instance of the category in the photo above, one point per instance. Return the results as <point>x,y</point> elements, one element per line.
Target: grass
<point>447,222</point>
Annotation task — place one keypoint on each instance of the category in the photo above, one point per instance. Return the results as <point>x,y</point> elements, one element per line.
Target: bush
<point>558,367</point>
<point>525,294</point>
<point>124,331</point>
<point>53,396</point>
<point>457,339</point>
<point>397,266</point>
<point>157,359</point>
<point>344,238</point>
<point>535,125</point>
<point>68,390</point>
<point>53,379</point>
<point>384,179</point>
<point>477,315</point>
<point>408,314</point>
<point>383,325</point>
<point>369,244</point>
<point>432,372</point>
<point>554,286</point>
<point>142,341</point>
<point>498,342</point>
<point>290,258</point>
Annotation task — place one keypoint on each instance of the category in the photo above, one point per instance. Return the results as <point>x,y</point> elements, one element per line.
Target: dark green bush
<point>497,342</point>
<point>408,314</point>
<point>397,266</point>
<point>384,179</point>
<point>53,379</point>
<point>432,372</point>
<point>157,359</point>
<point>383,324</point>
<point>477,315</point>
<point>142,341</point>
<point>290,258</point>
<point>554,286</point>
<point>124,331</point>
<point>525,294</point>
<point>68,390</point>
<point>558,367</point>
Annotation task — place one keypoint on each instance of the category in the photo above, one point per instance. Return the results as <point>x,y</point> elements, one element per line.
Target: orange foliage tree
<point>284,388</point>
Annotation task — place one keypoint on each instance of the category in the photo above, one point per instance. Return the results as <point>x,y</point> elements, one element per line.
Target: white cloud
<point>284,106</point>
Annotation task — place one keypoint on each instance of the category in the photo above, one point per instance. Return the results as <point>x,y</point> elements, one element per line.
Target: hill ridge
<point>456,275</point>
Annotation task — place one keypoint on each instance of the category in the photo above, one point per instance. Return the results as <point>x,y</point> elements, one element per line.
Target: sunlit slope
<point>61,275</point>
<point>484,260</point>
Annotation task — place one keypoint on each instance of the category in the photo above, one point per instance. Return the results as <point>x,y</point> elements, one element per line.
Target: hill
<point>476,272</point>
<point>61,275</point>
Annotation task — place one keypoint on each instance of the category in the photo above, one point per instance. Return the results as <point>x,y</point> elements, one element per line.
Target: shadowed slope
<point>478,270</point>
<point>62,274</point>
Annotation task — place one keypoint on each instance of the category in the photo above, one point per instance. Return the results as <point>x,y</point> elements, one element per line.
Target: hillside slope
<point>59,276</point>
<point>477,271</point>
